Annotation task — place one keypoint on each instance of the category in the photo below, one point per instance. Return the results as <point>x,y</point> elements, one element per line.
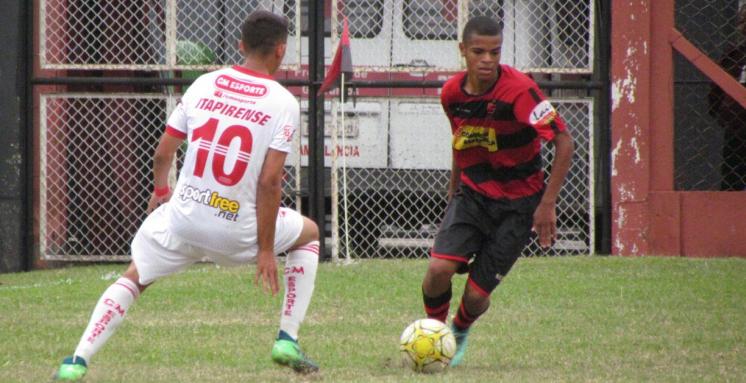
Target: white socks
<point>300,276</point>
<point>107,316</point>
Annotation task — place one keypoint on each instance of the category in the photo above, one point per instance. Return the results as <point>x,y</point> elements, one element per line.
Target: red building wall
<point>649,217</point>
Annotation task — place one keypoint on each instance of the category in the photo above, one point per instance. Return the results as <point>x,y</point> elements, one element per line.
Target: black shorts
<point>494,232</point>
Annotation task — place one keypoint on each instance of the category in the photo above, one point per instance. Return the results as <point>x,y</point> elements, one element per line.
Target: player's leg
<point>436,287</point>
<point>300,278</point>
<point>490,266</point>
<point>112,308</point>
<point>155,253</point>
<point>107,315</point>
<point>476,297</point>
<point>458,238</point>
<point>473,304</point>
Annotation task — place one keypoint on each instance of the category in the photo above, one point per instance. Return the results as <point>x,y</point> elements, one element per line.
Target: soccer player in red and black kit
<point>497,194</point>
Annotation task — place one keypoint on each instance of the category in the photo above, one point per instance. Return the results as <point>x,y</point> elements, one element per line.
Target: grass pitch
<point>571,319</point>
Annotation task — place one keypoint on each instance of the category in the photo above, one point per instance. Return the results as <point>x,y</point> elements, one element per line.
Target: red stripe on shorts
<point>448,257</point>
<point>476,287</point>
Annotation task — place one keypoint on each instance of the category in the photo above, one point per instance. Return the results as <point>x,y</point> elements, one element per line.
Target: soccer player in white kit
<point>238,123</point>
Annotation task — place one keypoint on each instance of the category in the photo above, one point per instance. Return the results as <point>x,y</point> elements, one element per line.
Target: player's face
<point>482,55</point>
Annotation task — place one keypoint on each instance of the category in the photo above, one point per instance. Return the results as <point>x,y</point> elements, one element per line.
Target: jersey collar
<point>250,72</point>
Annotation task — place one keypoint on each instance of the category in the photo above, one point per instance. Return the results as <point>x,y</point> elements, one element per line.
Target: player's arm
<point>162,161</point>
<point>268,195</point>
<point>455,170</point>
<point>455,178</point>
<point>532,108</point>
<point>545,218</point>
<point>163,158</point>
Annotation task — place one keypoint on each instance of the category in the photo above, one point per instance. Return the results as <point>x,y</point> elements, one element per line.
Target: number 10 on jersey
<point>206,133</point>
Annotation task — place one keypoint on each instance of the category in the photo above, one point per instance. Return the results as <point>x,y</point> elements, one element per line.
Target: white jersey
<point>230,118</point>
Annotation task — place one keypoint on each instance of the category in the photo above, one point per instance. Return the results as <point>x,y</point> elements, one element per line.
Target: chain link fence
<point>96,172</point>
<point>96,148</point>
<point>96,153</point>
<point>553,36</point>
<point>151,34</point>
<point>395,210</point>
<point>710,127</point>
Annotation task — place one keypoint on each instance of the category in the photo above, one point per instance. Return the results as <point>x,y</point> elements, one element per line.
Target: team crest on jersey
<point>244,88</point>
<point>491,106</point>
<point>543,114</point>
<point>469,136</point>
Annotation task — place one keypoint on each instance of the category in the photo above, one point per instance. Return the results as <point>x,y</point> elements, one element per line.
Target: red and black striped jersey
<point>496,135</point>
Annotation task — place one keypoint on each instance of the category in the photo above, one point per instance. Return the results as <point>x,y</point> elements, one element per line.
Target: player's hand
<point>156,201</point>
<point>545,223</point>
<point>266,271</point>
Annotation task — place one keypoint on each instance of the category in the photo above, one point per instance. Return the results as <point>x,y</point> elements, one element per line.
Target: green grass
<point>568,319</point>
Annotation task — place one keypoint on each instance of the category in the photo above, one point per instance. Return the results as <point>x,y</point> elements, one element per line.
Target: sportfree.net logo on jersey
<point>227,208</point>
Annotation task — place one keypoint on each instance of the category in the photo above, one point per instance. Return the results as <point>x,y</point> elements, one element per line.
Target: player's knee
<point>441,269</point>
<point>309,233</point>
<point>310,229</point>
<point>475,301</point>
<point>133,275</point>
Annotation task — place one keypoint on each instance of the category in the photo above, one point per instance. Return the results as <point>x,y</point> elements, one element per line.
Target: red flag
<point>342,62</point>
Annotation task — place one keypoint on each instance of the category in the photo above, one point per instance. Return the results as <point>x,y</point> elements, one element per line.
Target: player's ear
<point>241,48</point>
<point>280,50</point>
<point>462,48</point>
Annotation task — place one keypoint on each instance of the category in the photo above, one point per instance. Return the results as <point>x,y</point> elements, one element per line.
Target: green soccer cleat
<point>461,342</point>
<point>288,353</point>
<point>72,369</point>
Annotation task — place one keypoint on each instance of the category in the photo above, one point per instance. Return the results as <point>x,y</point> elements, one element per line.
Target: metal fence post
<point>316,182</point>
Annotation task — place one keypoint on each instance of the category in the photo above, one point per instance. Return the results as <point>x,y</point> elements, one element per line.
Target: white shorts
<point>157,252</point>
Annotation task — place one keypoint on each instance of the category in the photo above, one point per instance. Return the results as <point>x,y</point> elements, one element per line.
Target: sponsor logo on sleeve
<point>543,114</point>
<point>287,131</point>
<point>241,87</point>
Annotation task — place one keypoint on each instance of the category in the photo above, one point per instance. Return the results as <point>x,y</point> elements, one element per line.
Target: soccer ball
<point>427,345</point>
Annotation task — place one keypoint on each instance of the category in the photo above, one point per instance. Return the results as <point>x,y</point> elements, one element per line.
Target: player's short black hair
<point>483,26</point>
<point>262,31</point>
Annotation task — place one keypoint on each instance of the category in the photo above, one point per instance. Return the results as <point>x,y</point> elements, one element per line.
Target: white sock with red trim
<point>300,277</point>
<point>107,316</point>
